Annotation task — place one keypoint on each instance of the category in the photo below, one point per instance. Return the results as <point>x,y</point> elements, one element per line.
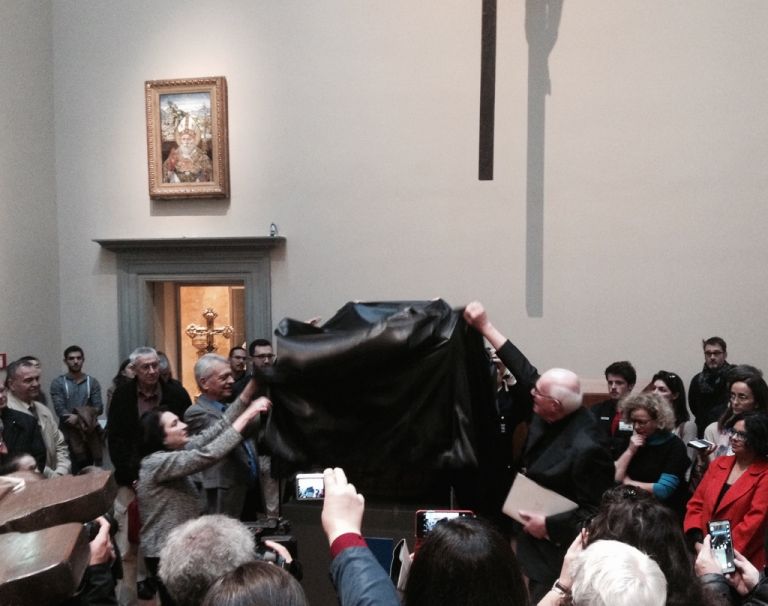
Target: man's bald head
<point>557,394</point>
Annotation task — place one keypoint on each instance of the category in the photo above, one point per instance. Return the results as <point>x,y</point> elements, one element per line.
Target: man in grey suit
<point>226,483</point>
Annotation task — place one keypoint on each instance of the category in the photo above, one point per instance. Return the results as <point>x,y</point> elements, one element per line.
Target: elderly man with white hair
<point>563,453</point>
<point>225,484</point>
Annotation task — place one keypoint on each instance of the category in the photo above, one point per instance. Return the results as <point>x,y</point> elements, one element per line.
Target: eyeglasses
<point>741,397</point>
<point>741,436</point>
<point>640,422</point>
<point>537,394</point>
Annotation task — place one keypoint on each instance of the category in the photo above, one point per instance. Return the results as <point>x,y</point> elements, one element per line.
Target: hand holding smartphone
<point>310,487</point>
<point>722,544</point>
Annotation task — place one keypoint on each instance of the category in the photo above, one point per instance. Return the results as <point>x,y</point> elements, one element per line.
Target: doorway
<point>154,268</point>
<point>192,319</point>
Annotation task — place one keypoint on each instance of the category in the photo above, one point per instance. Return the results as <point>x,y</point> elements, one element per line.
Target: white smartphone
<point>310,486</point>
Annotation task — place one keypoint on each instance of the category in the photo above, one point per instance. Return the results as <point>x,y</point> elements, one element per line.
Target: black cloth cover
<point>391,390</point>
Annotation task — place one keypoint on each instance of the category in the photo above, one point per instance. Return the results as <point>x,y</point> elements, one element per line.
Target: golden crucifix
<point>203,336</point>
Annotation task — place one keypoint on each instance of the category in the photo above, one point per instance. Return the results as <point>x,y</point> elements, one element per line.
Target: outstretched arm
<point>476,316</point>
<point>358,577</point>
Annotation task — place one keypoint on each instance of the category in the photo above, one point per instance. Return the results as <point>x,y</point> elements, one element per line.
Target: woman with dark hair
<point>735,488</point>
<point>124,375</point>
<point>656,460</point>
<point>634,517</point>
<point>748,391</point>
<point>256,584</point>
<point>462,562</point>
<point>465,562</point>
<point>165,490</point>
<point>671,387</point>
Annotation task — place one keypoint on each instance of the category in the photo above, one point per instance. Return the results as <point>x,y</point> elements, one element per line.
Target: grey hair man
<point>225,484</point>
<point>200,551</point>
<point>23,380</point>
<point>611,573</point>
<point>563,453</point>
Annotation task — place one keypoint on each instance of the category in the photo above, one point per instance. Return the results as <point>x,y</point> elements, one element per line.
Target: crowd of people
<point>647,470</point>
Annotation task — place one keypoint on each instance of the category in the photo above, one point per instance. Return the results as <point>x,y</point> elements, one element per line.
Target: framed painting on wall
<point>187,138</point>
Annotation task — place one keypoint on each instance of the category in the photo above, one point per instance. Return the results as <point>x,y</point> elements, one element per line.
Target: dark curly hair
<point>634,516</point>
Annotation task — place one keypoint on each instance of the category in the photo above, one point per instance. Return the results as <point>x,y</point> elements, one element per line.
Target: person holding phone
<point>462,562</point>
<point>752,590</point>
<point>735,488</point>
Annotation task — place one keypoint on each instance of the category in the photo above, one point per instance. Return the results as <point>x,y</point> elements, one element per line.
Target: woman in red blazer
<point>735,488</point>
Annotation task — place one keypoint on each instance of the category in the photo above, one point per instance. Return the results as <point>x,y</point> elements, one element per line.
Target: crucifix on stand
<point>203,337</point>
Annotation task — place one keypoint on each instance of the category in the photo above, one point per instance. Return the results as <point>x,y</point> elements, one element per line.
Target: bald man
<point>563,453</point>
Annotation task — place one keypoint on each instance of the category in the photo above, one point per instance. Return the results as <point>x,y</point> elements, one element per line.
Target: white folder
<point>527,495</point>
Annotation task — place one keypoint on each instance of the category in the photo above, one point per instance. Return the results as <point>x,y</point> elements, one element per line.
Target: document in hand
<point>527,495</point>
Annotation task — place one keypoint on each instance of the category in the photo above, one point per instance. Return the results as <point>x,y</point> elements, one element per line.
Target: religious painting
<point>187,138</point>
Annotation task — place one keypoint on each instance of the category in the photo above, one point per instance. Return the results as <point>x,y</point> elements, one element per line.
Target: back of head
<point>256,584</point>
<point>635,517</point>
<point>200,551</point>
<point>565,386</point>
<point>611,573</point>
<point>465,562</point>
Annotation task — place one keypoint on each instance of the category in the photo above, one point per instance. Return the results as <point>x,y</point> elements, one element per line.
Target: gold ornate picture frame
<point>187,138</point>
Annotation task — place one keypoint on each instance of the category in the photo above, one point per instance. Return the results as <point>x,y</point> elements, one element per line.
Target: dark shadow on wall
<point>542,19</point>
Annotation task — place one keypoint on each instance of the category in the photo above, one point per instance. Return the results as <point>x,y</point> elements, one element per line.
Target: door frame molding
<point>142,261</point>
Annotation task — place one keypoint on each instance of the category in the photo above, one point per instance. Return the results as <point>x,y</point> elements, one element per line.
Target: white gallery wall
<point>29,260</point>
<point>354,127</point>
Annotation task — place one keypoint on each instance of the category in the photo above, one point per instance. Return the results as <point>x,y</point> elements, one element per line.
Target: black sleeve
<point>123,434</point>
<point>96,589</point>
<point>38,447</point>
<point>514,359</point>
<point>175,398</point>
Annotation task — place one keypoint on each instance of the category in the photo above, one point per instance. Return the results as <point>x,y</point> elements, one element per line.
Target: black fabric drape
<point>393,392</point>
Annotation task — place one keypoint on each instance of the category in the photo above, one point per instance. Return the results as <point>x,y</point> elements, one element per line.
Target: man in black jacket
<point>621,378</point>
<point>563,453</point>
<point>19,434</point>
<point>708,391</point>
<point>145,392</point>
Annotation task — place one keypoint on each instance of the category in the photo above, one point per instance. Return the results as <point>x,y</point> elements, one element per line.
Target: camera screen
<point>427,520</point>
<point>720,537</point>
<point>310,486</point>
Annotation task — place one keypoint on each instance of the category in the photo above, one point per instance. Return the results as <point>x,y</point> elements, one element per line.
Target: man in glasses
<point>563,453</point>
<point>261,353</point>
<point>263,358</point>
<point>708,392</point>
